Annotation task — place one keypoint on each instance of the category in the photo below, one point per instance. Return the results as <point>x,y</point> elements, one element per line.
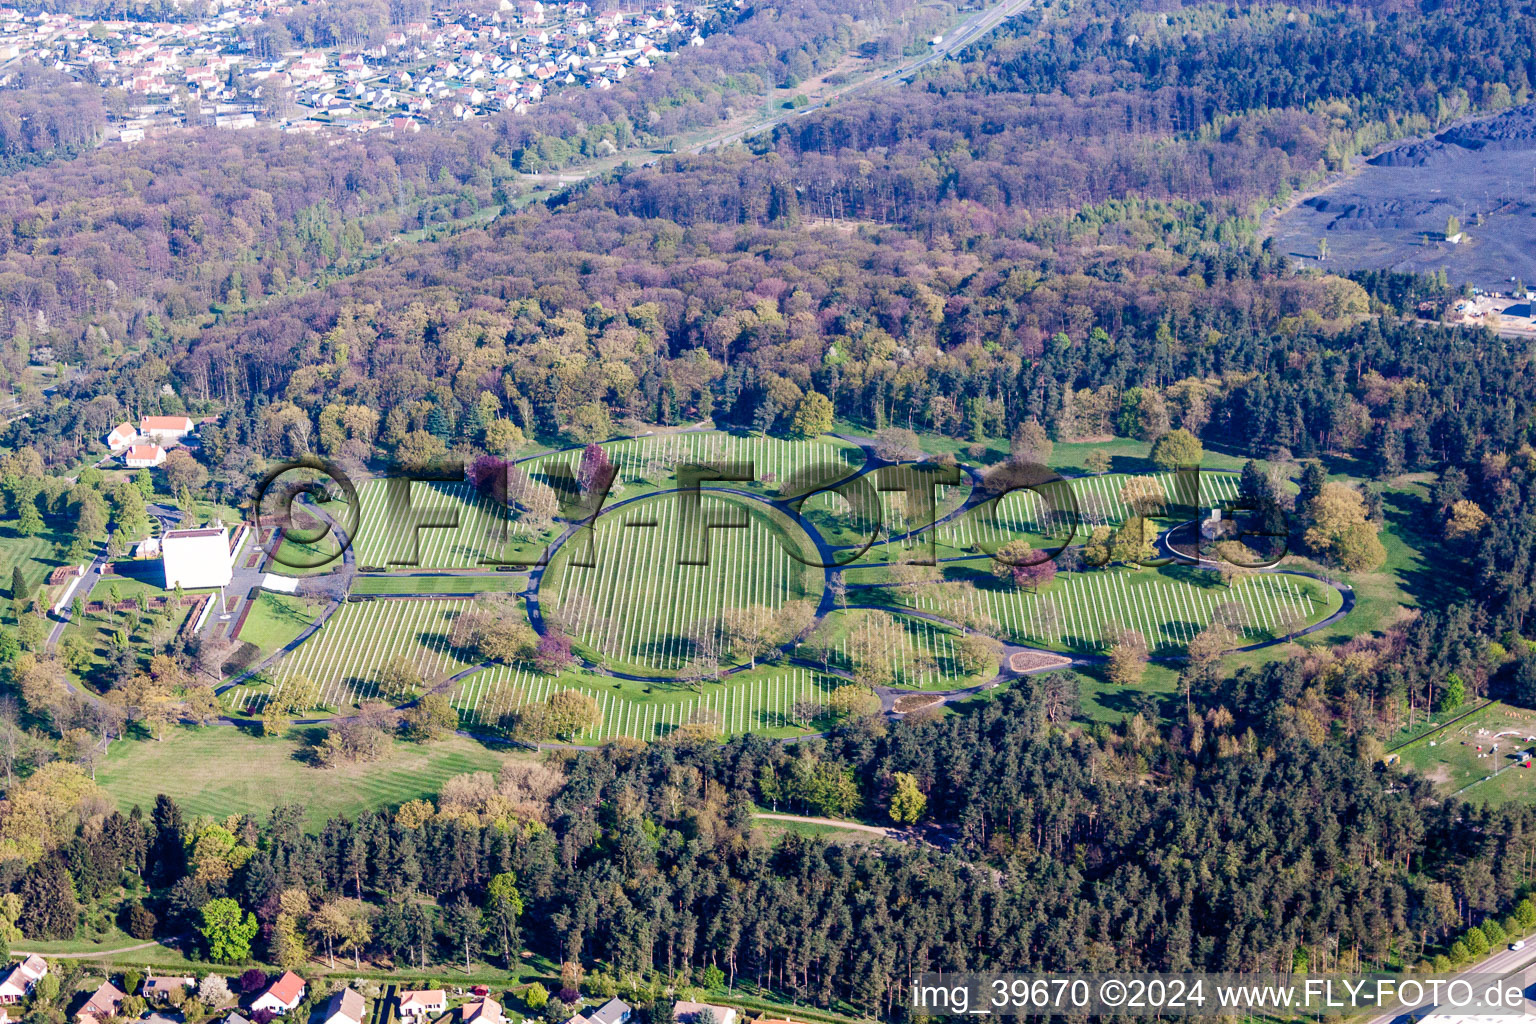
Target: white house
<point>198,558</point>
<point>144,456</point>
<point>121,437</point>
<point>345,1007</point>
<point>165,428</point>
<point>283,994</point>
<point>22,979</point>
<point>420,1004</point>
<point>614,1011</point>
<point>686,1012</point>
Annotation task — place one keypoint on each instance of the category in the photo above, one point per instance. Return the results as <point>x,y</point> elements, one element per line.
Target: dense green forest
<point>1260,855</point>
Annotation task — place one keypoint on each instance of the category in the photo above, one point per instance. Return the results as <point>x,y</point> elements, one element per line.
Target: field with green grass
<point>429,525</point>
<point>345,656</point>
<point>651,463</point>
<point>1096,499</point>
<point>775,829</point>
<point>901,496</point>
<point>499,583</point>
<point>1461,761</point>
<point>1168,605</point>
<point>153,619</point>
<point>760,701</point>
<point>927,660</point>
<point>276,619</point>
<point>37,555</point>
<point>219,771</point>
<point>644,601</point>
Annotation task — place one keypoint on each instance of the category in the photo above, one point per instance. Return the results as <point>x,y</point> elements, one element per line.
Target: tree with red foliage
<point>595,469</point>
<point>1024,566</point>
<point>553,654</point>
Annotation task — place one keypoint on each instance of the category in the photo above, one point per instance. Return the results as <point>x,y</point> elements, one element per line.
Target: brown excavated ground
<point>1032,661</point>
<point>910,702</point>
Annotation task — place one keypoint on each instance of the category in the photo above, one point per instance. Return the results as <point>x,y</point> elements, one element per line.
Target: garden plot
<point>643,601</point>
<point>1167,606</point>
<point>755,702</point>
<point>345,656</point>
<point>1023,513</point>
<point>484,536</point>
<point>653,461</point>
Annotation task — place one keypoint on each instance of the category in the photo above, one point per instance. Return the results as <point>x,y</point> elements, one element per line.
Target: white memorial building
<point>195,559</point>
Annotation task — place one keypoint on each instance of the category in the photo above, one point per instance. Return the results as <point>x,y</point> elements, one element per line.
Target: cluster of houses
<point>280,997</point>
<point>284,994</point>
<point>145,447</point>
<point>458,63</point>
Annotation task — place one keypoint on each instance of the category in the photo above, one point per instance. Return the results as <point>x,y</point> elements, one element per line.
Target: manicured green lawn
<point>275,619</point>
<point>651,463</point>
<point>345,656</point>
<point>1168,605</point>
<point>144,627</point>
<point>38,555</point>
<point>218,770</point>
<point>927,642</point>
<point>1419,572</point>
<point>645,599</point>
<point>471,531</point>
<point>761,700</point>
<point>1126,455</point>
<point>300,559</point>
<point>501,583</point>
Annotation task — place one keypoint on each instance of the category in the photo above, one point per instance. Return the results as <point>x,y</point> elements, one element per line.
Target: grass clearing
<point>37,555</point>
<point>276,619</point>
<point>219,771</point>
<point>146,625</point>
<point>776,829</point>
<point>928,659</point>
<point>651,463</point>
<point>456,527</point>
<point>1461,762</point>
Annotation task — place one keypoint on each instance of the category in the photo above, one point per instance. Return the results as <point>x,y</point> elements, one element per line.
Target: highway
<point>1506,961</point>
<point>968,31</point>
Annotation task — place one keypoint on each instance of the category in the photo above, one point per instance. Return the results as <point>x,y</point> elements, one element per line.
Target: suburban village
<point>255,997</point>
<point>231,70</point>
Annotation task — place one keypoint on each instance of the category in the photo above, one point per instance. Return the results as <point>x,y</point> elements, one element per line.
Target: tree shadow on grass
<point>1128,701</point>
<point>437,639</point>
<point>306,750</point>
<point>1437,579</point>
<point>1131,464</point>
<point>1192,576</point>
